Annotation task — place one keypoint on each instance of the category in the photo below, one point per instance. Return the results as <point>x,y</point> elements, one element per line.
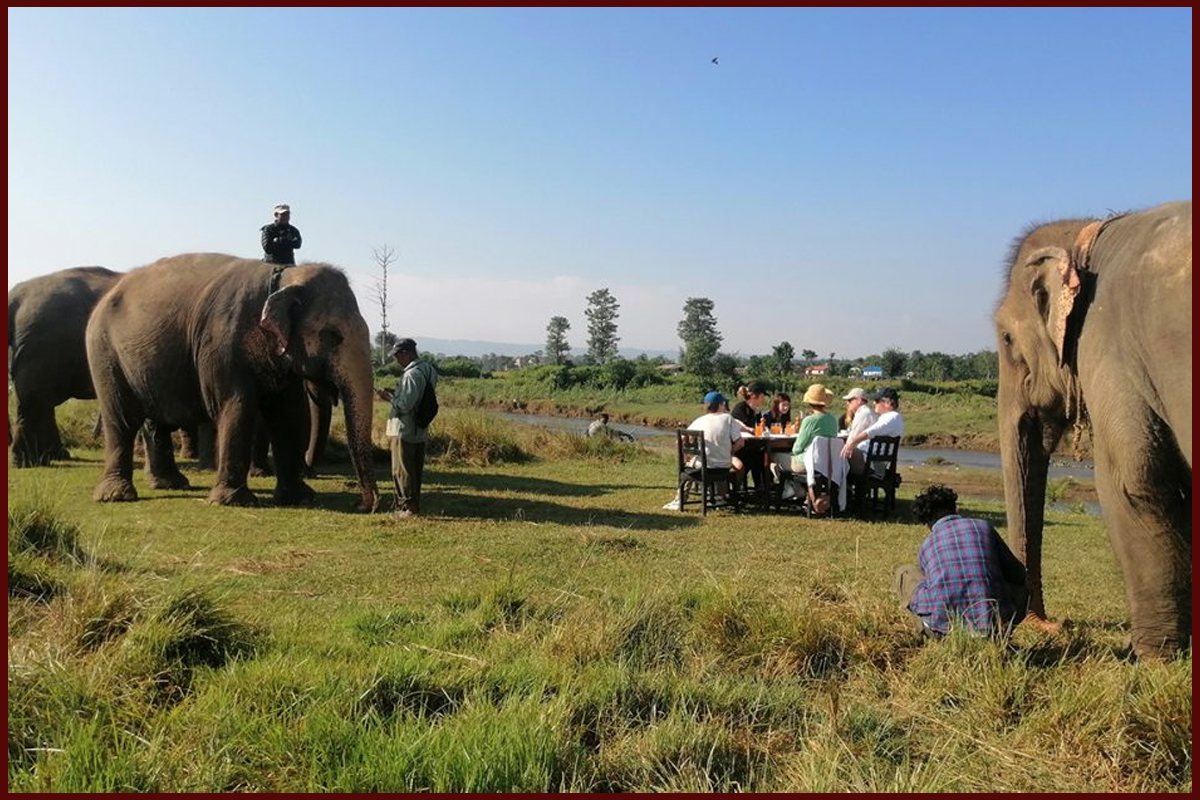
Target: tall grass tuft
<point>474,438</point>
<point>554,445</point>
<point>42,547</point>
<point>37,528</point>
<point>187,631</point>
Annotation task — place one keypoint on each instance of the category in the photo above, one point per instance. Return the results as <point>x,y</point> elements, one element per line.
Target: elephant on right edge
<point>1095,328</point>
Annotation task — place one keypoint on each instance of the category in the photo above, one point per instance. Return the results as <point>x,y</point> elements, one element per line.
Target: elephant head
<point>313,325</point>
<point>1039,393</point>
<point>1094,332</point>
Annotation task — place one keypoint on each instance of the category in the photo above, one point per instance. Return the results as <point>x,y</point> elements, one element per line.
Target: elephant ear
<point>277,316</point>
<point>1055,285</point>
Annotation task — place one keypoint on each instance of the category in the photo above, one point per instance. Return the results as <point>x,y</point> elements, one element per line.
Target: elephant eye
<point>1007,338</point>
<point>330,337</point>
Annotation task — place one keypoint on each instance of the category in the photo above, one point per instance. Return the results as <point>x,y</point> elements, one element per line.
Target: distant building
<point>816,370</point>
<point>520,362</point>
<point>873,373</point>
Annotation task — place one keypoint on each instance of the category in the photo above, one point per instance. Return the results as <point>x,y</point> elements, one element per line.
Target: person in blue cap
<point>722,433</point>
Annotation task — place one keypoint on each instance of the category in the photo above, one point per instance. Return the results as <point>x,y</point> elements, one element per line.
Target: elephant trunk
<point>1026,461</point>
<point>357,390</point>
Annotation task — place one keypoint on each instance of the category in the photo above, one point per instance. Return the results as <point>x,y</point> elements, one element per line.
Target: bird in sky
<point>715,59</point>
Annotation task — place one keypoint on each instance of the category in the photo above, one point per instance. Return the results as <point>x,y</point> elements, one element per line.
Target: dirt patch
<point>289,560</point>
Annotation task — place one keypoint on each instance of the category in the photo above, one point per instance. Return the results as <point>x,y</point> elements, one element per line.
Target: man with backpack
<point>414,405</point>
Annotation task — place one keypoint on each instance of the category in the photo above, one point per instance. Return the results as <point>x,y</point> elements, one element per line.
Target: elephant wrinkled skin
<point>47,318</point>
<point>1096,327</point>
<point>212,337</point>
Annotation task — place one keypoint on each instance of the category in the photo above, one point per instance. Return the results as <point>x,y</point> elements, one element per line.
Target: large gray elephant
<point>209,336</point>
<point>47,317</point>
<point>1096,328</point>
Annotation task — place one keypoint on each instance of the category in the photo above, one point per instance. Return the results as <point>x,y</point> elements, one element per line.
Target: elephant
<point>207,336</point>
<point>47,317</point>
<point>1095,328</point>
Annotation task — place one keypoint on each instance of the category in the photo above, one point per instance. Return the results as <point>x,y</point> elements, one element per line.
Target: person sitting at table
<point>890,423</point>
<point>859,415</point>
<point>722,435</point>
<point>747,411</point>
<point>781,411</point>
<point>818,423</point>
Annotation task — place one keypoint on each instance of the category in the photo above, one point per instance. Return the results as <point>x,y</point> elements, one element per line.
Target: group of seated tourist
<point>728,433</point>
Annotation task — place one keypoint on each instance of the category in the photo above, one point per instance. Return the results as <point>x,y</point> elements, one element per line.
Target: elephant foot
<point>1159,645</point>
<point>260,471</point>
<point>299,495</point>
<point>61,454</point>
<point>115,490</point>
<point>231,496</point>
<point>24,460</point>
<point>367,504</point>
<point>176,481</point>
<point>1038,622</point>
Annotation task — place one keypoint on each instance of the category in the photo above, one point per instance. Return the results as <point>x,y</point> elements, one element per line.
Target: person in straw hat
<point>818,423</point>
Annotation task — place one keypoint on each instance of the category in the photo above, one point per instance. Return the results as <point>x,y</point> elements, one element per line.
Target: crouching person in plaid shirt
<point>966,574</point>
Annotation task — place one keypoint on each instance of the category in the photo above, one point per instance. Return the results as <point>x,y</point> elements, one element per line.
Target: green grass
<point>548,626</point>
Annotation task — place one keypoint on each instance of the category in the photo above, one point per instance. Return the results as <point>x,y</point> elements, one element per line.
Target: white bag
<point>393,427</point>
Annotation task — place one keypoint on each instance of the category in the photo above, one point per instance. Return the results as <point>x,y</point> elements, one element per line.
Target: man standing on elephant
<point>408,443</point>
<point>280,239</point>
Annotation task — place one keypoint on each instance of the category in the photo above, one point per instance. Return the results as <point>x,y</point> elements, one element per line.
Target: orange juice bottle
<point>758,427</point>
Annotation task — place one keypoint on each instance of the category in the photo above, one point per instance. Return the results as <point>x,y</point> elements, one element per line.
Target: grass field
<point>548,626</point>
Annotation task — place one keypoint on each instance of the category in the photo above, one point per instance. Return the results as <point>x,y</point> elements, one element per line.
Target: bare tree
<point>384,256</point>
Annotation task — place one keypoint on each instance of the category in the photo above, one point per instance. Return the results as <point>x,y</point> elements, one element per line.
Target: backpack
<point>427,406</point>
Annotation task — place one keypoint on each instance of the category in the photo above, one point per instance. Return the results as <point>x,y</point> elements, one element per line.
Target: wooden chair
<point>826,472</point>
<point>694,472</point>
<point>876,487</point>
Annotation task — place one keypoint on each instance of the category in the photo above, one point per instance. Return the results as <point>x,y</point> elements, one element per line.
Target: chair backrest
<point>882,452</point>
<point>692,454</point>
<point>826,469</point>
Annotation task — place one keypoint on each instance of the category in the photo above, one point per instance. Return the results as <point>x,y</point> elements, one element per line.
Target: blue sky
<point>845,180</point>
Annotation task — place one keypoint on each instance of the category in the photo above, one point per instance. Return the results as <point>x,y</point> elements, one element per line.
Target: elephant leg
<point>122,416</point>
<point>206,446</point>
<point>286,416</point>
<point>260,464</point>
<point>36,437</point>
<point>160,458</point>
<point>1145,492</point>
<point>320,416</point>
<point>58,451</point>
<point>235,434</point>
<point>188,446</point>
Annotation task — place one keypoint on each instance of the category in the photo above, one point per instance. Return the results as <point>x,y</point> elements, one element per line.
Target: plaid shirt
<point>966,564</point>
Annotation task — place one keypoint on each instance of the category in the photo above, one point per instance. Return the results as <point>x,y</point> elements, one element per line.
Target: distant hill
<point>471,347</point>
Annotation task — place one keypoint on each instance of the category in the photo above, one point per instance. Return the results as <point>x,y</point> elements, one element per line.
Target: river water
<point>909,456</point>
